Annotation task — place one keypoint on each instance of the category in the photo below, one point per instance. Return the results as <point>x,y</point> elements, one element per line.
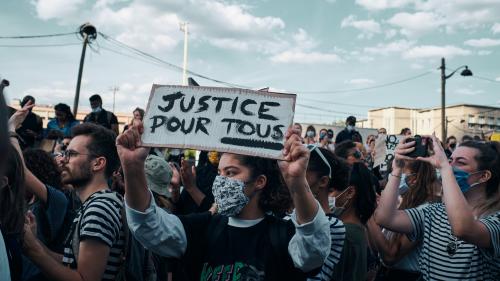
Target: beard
<point>79,177</point>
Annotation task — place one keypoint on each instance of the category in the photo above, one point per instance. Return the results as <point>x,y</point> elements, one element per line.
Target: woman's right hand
<point>402,149</point>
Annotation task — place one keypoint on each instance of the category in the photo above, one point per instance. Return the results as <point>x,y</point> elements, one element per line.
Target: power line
<point>178,68</point>
<point>485,79</point>
<point>38,36</point>
<point>38,45</point>
<point>367,88</point>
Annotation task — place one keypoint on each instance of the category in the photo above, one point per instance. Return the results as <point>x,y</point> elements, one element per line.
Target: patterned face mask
<point>229,196</point>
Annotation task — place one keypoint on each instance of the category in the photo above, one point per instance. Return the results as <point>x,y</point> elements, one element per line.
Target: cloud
<point>359,81</point>
<point>468,92</point>
<point>416,66</point>
<point>383,4</point>
<point>483,42</point>
<point>367,27</point>
<point>497,79</point>
<point>431,51</point>
<point>305,57</point>
<point>484,53</point>
<point>417,24</point>
<point>49,9</point>
<point>154,24</point>
<point>389,48</point>
<point>496,28</point>
<point>303,40</point>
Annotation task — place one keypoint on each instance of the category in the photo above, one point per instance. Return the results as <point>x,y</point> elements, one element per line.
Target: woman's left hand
<point>439,159</point>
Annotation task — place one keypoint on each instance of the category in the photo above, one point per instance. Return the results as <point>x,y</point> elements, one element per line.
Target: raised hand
<point>295,157</point>
<point>18,117</point>
<point>439,159</point>
<point>400,152</point>
<point>129,145</point>
<point>188,174</point>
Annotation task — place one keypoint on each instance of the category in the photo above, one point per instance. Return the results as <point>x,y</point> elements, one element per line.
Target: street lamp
<point>444,77</point>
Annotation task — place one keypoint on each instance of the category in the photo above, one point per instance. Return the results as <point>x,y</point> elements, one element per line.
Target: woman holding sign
<point>241,242</point>
<point>460,237</point>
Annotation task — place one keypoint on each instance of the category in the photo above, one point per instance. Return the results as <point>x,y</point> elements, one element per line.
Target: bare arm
<point>387,213</point>
<point>391,250</point>
<point>188,175</point>
<point>32,183</point>
<point>464,224</point>
<point>92,258</point>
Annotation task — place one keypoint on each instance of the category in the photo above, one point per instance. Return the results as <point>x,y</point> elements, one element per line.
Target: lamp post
<point>444,77</point>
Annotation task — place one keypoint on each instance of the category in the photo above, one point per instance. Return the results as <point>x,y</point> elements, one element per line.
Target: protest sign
<point>384,150</point>
<point>221,119</point>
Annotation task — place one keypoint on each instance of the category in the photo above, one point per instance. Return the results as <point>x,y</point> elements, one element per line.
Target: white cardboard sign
<point>384,150</point>
<point>221,119</point>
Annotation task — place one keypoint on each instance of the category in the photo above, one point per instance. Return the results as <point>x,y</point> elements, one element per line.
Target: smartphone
<point>422,145</point>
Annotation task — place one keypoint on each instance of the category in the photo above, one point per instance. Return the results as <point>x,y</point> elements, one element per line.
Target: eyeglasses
<point>68,154</point>
<point>313,147</point>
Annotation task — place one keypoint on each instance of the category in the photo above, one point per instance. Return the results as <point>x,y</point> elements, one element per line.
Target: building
<point>462,119</point>
<point>46,112</point>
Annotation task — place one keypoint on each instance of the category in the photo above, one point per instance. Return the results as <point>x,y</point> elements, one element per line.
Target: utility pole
<point>88,33</point>
<point>184,28</point>
<point>443,101</point>
<point>114,89</point>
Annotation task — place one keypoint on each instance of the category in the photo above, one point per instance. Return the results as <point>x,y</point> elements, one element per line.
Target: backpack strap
<point>75,242</point>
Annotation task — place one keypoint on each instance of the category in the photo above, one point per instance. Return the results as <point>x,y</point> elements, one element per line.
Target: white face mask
<point>350,128</point>
<point>97,109</point>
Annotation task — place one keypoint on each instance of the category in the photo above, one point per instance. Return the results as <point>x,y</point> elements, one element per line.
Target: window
<point>491,120</point>
<point>471,119</point>
<point>498,121</point>
<point>491,127</point>
<point>471,126</point>
<point>481,120</point>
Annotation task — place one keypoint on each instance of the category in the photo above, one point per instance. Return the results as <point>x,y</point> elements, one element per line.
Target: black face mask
<point>453,145</point>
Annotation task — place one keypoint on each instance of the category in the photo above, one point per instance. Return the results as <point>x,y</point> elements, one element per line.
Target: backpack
<point>136,261</point>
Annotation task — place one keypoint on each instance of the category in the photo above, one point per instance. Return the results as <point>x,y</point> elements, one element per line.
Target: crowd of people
<point>100,206</point>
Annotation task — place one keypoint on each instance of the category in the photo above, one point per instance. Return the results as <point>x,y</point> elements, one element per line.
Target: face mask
<point>322,136</point>
<point>338,211</point>
<point>97,109</point>
<point>453,145</point>
<point>403,184</point>
<point>331,202</point>
<point>462,178</point>
<point>229,196</point>
<point>350,128</point>
<point>310,134</point>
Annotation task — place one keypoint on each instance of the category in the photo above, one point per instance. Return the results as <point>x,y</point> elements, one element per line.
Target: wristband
<point>395,175</point>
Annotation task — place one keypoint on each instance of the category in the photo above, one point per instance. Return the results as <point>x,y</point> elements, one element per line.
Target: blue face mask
<point>462,178</point>
<point>403,184</point>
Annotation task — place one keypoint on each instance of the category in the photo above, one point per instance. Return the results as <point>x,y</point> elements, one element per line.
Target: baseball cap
<point>158,174</point>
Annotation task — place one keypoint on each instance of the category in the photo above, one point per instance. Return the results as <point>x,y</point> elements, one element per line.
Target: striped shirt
<point>337,233</point>
<point>469,262</point>
<point>101,221</point>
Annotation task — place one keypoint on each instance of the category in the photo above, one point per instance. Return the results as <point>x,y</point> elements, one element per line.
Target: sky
<point>325,51</point>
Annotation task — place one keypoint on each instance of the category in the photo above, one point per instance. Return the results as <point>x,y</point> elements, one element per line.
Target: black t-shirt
<point>103,118</point>
<point>345,134</point>
<point>236,253</point>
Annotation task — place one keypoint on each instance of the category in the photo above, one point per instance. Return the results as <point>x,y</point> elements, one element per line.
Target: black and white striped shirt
<point>431,225</point>
<point>337,233</point>
<point>100,220</point>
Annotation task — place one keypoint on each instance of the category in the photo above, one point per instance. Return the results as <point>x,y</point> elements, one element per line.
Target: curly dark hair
<point>275,196</point>
<point>342,149</point>
<point>66,109</point>
<point>43,166</point>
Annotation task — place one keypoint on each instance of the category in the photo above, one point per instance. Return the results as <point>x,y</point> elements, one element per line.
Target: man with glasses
<point>93,248</point>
